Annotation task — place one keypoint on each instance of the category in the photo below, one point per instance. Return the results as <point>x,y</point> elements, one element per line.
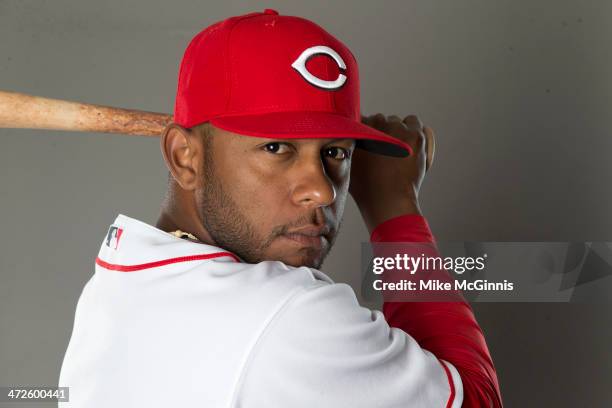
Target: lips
<point>309,236</point>
<point>305,240</point>
<point>311,231</point>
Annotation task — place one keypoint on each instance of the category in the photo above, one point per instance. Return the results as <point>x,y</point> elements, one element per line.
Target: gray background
<point>517,92</point>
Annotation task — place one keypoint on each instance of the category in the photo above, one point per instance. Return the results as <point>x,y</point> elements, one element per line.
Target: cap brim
<point>310,125</point>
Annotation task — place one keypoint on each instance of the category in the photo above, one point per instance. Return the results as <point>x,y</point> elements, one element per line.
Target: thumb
<point>430,145</point>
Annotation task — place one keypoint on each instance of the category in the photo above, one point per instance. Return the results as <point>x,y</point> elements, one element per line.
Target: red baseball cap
<point>266,75</point>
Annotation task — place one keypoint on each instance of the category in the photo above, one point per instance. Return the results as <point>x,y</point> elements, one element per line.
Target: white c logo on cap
<point>300,66</point>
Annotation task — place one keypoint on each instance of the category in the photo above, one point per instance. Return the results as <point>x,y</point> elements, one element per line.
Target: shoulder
<point>317,313</point>
<point>276,275</point>
<point>325,347</point>
<point>313,294</point>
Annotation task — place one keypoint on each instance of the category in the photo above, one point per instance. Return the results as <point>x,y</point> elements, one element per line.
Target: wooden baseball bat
<point>23,111</point>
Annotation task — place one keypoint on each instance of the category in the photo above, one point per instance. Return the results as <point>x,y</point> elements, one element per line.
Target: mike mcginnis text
<point>437,285</point>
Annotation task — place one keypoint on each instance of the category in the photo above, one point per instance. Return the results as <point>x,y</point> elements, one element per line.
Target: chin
<point>306,257</point>
<point>299,264</point>
<point>290,254</point>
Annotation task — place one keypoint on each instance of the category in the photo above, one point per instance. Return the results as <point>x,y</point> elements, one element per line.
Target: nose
<point>313,188</point>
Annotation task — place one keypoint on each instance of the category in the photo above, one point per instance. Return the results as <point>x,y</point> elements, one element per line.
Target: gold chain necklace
<point>182,234</point>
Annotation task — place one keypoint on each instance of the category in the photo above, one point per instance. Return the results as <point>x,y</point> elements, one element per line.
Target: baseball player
<point>221,303</point>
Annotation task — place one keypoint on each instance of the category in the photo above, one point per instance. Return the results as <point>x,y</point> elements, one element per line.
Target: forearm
<point>448,329</point>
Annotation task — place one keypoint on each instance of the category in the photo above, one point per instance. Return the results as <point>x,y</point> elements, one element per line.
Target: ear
<point>182,151</point>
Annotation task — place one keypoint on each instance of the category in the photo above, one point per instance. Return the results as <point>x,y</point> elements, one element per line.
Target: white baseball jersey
<point>165,322</point>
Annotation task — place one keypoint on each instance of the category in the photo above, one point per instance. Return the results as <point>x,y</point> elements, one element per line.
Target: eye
<point>336,153</point>
<point>276,147</point>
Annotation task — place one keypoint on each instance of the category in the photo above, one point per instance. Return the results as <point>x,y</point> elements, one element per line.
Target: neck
<point>178,211</point>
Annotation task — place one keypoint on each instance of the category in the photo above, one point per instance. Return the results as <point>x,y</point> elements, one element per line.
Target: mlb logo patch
<point>113,236</point>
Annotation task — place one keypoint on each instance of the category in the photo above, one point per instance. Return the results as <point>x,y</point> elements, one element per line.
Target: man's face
<point>271,199</point>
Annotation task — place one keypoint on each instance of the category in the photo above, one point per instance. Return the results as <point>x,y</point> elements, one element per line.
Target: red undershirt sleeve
<point>447,329</point>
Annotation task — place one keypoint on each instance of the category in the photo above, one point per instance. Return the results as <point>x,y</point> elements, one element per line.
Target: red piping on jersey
<point>139,267</point>
<point>451,398</point>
